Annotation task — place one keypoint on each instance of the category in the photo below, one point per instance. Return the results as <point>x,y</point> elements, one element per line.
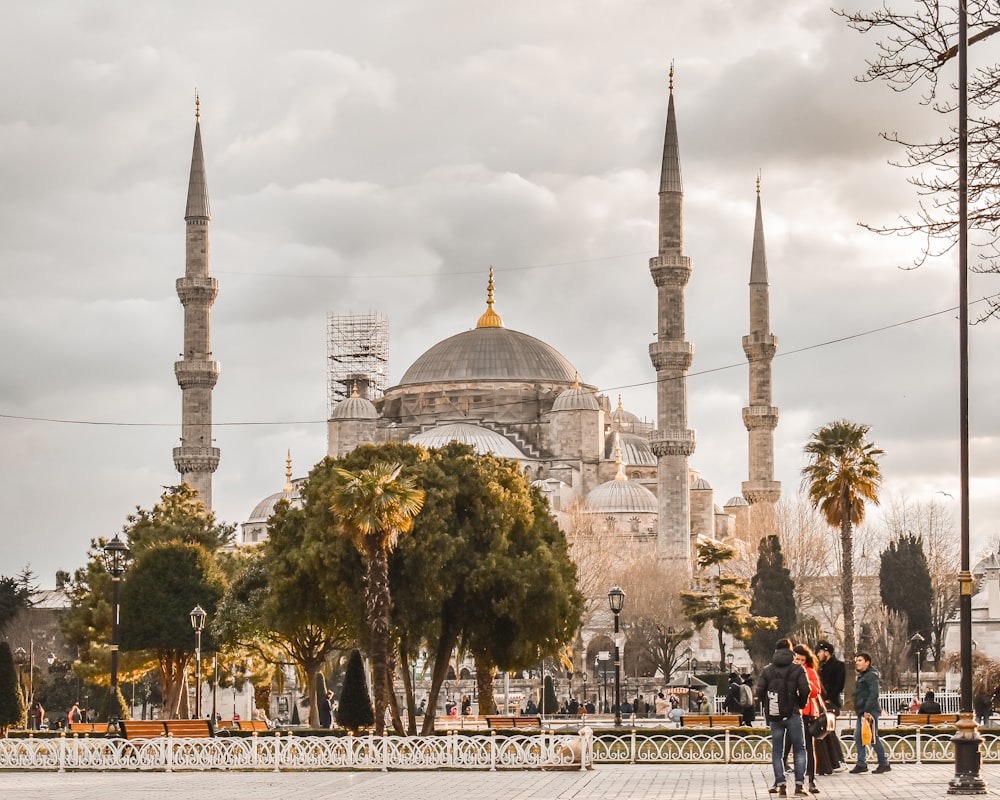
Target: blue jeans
<point>877,744</point>
<point>792,728</point>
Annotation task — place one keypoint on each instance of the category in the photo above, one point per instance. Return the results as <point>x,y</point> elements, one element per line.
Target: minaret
<point>672,442</point>
<point>196,459</point>
<point>760,417</point>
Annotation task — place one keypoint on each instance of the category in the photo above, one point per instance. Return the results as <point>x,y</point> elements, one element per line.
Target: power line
<point>709,371</point>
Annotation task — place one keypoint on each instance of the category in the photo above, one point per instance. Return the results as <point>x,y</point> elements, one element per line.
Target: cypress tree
<point>354,711</point>
<point>551,702</point>
<point>13,712</point>
<point>773,593</point>
<point>905,583</point>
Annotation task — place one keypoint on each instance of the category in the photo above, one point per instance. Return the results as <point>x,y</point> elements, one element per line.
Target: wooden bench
<point>189,728</point>
<point>256,725</point>
<point>711,721</point>
<point>153,728</point>
<point>926,720</point>
<point>459,723</point>
<point>500,722</point>
<point>87,727</point>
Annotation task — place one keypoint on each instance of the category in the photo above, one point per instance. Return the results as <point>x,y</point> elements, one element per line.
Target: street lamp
<point>616,600</point>
<point>730,658</point>
<point>198,617</point>
<point>115,557</point>
<point>915,642</point>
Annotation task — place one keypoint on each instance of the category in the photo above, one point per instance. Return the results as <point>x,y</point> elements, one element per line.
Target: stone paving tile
<point>606,782</point>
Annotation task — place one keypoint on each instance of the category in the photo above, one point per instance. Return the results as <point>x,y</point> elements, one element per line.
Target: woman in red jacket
<point>805,656</point>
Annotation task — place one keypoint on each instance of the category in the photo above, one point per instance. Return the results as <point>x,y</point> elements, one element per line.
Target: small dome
<point>736,501</point>
<point>635,449</point>
<point>622,497</point>
<point>701,485</point>
<point>482,440</point>
<point>264,510</point>
<point>354,408</point>
<point>622,419</point>
<point>576,399</point>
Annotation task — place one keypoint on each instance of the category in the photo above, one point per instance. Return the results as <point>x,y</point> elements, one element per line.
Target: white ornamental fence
<point>453,751</point>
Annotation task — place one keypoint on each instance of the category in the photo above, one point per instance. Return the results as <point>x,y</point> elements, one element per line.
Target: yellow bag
<point>867,733</point>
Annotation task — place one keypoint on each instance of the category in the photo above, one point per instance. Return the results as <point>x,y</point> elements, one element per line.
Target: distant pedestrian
<point>326,710</point>
<point>930,705</point>
<point>867,708</point>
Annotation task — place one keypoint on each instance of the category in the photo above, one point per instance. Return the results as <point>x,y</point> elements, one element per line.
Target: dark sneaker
<point>881,769</point>
<point>813,788</point>
<point>782,791</point>
<point>773,789</point>
<point>858,769</point>
<point>800,791</point>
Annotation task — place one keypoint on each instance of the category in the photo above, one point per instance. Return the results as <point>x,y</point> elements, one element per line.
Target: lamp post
<point>688,654</point>
<point>730,658</point>
<point>915,642</point>
<point>616,600</point>
<point>198,616</point>
<point>115,557</point>
<point>584,687</point>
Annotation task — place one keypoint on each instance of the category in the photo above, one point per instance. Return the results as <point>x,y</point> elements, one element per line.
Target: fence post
<point>919,731</point>
<point>632,747</point>
<point>277,751</point>
<point>168,745</point>
<point>385,752</point>
<point>62,751</point>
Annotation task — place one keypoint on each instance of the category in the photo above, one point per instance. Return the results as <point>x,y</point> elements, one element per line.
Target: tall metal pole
<point>197,673</point>
<point>115,608</point>
<point>967,740</point>
<point>618,678</point>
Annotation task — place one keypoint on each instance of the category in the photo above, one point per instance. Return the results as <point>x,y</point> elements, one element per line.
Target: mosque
<point>506,392</point>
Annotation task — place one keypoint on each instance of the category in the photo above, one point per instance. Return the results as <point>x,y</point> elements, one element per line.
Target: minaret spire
<point>672,442</point>
<point>197,459</point>
<point>760,417</point>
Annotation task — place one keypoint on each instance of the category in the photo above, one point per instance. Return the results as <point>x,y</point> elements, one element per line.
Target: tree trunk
<point>485,673</point>
<point>847,595</point>
<point>408,689</point>
<point>378,601</point>
<point>722,652</point>
<point>172,678</point>
<point>442,658</point>
<point>312,668</point>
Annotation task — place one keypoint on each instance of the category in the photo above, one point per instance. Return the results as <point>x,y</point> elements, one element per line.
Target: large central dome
<point>490,352</point>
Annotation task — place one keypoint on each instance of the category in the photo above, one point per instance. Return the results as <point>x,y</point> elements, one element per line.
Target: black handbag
<point>823,724</point>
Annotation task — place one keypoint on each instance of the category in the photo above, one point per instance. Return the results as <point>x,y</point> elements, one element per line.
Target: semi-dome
<point>622,497</point>
<point>483,440</point>
<point>490,352</point>
<point>355,407</point>
<point>635,449</point>
<point>576,398</point>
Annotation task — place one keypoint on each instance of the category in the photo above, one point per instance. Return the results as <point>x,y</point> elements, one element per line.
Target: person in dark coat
<point>832,673</point>
<point>733,704</point>
<point>326,710</point>
<point>750,712</point>
<point>930,705</point>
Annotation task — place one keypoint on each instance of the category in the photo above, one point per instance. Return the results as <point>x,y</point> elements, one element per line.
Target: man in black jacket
<point>783,690</point>
<point>832,675</point>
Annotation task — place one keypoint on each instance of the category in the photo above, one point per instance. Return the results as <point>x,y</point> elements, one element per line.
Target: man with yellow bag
<point>867,708</point>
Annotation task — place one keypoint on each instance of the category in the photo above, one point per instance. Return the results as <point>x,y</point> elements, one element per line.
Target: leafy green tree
<point>280,603</point>
<point>905,584</point>
<point>773,595</point>
<point>374,508</point>
<point>165,583</point>
<point>354,710</point>
<point>12,706</point>
<point>843,474</point>
<point>722,600</point>
<point>14,595</point>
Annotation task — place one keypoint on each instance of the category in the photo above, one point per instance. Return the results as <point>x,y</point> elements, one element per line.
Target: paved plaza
<point>675,781</point>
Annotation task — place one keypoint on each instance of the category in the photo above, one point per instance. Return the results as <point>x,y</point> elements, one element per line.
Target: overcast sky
<point>380,156</point>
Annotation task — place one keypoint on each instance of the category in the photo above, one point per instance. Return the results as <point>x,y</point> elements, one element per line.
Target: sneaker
<point>881,769</point>
<point>858,769</point>
<point>773,789</point>
<point>800,791</point>
<point>782,790</point>
<point>841,768</point>
<point>813,788</point>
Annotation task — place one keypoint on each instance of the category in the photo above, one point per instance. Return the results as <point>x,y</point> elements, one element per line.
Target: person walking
<point>867,708</point>
<point>805,658</point>
<point>749,709</point>
<point>783,690</point>
<point>326,710</point>
<point>732,703</point>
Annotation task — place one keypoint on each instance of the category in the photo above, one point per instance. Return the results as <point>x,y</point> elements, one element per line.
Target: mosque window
<point>633,523</point>
<point>611,522</point>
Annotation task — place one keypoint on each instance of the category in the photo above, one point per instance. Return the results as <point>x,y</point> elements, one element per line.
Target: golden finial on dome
<point>354,389</point>
<point>620,475</point>
<point>288,473</point>
<point>490,318</point>
<point>576,380</point>
<point>620,406</point>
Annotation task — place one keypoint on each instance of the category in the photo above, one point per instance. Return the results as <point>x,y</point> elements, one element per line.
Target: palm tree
<point>842,474</point>
<point>374,508</point>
